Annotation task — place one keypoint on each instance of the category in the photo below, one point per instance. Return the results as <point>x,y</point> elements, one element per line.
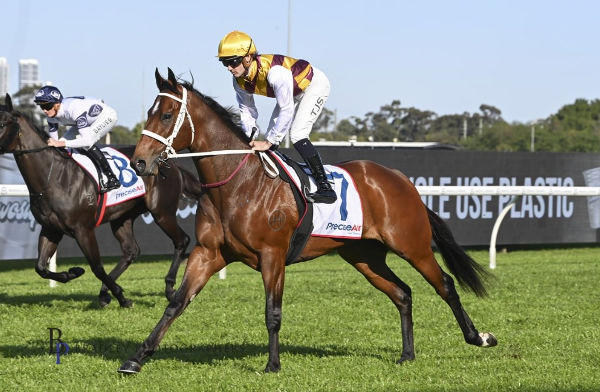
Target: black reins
<point>12,134</point>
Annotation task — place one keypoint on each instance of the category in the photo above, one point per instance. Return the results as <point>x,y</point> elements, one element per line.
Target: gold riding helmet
<point>236,44</point>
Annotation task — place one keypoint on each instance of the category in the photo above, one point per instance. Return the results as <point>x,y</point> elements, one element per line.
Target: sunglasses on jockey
<point>46,105</point>
<point>235,61</point>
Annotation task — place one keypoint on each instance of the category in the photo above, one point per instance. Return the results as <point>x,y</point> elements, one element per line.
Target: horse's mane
<point>39,131</point>
<point>229,116</point>
<point>43,134</point>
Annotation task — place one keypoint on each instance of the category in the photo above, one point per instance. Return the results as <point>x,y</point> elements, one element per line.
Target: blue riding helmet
<point>48,94</point>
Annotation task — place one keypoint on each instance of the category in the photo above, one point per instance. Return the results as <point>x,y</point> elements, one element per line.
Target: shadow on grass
<point>90,301</point>
<point>47,299</point>
<point>141,298</point>
<point>119,349</point>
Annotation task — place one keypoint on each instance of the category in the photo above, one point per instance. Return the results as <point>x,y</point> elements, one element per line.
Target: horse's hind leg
<point>368,257</point>
<point>167,221</point>
<point>467,271</point>
<point>470,333</point>
<point>89,246</point>
<point>123,232</point>
<point>443,284</point>
<point>410,238</point>
<point>162,200</point>
<point>47,245</point>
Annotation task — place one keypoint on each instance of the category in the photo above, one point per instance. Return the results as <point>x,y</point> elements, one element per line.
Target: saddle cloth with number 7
<point>342,219</point>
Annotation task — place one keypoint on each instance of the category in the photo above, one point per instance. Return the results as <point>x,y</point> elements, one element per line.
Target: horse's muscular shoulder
<point>208,223</point>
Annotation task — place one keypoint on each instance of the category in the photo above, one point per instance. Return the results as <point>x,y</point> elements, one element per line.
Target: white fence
<point>517,191</point>
<point>21,190</point>
<point>14,190</point>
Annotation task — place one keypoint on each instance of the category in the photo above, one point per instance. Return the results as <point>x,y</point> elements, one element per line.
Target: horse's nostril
<point>139,166</point>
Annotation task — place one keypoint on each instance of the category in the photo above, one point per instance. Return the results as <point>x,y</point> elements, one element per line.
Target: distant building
<point>3,77</point>
<point>29,74</point>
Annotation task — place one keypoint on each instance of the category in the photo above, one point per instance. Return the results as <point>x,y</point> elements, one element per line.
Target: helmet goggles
<point>231,61</point>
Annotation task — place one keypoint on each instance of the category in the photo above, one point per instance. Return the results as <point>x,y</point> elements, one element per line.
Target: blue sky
<point>527,58</point>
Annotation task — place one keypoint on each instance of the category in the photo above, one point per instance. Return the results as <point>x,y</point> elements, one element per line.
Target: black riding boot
<point>112,182</point>
<point>325,193</point>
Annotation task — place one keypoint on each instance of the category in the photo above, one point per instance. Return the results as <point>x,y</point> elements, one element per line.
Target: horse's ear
<point>8,103</point>
<point>172,78</point>
<point>159,78</point>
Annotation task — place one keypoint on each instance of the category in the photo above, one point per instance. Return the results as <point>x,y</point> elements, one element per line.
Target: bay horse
<point>63,200</point>
<point>235,218</point>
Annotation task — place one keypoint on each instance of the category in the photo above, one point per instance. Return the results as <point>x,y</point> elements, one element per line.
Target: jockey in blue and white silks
<point>87,119</point>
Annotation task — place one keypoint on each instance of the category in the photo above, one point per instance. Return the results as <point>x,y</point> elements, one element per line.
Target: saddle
<point>305,209</point>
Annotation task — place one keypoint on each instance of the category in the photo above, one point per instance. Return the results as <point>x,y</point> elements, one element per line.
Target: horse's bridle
<point>168,142</point>
<point>170,152</point>
<point>12,133</point>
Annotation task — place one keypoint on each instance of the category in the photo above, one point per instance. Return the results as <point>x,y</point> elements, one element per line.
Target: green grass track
<point>338,333</point>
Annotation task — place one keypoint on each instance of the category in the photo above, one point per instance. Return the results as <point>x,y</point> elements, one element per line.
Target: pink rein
<point>225,181</point>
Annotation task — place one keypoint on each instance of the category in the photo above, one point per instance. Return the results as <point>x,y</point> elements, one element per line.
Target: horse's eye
<point>2,124</point>
<point>166,116</point>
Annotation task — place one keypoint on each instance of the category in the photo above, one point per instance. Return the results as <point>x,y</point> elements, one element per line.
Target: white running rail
<point>516,191</point>
<point>509,190</point>
<point>14,190</point>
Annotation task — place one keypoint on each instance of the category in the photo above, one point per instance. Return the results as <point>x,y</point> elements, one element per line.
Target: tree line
<point>573,128</point>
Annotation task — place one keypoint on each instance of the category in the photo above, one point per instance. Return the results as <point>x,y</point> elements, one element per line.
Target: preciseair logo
<point>128,191</point>
<point>343,227</point>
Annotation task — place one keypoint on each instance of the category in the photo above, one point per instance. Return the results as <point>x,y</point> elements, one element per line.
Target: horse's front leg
<point>273,274</point>
<point>202,264</point>
<point>47,245</point>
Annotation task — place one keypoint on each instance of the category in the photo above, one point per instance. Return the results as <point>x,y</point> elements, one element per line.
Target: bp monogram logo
<point>56,344</point>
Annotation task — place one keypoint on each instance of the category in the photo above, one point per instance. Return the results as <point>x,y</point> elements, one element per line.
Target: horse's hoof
<point>75,272</point>
<point>104,300</point>
<point>127,303</point>
<point>130,367</point>
<point>405,358</point>
<point>272,368</point>
<point>487,340</point>
<point>169,293</point>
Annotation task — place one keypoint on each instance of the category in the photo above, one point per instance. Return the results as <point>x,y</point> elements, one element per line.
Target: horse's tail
<point>469,274</point>
<point>192,188</point>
